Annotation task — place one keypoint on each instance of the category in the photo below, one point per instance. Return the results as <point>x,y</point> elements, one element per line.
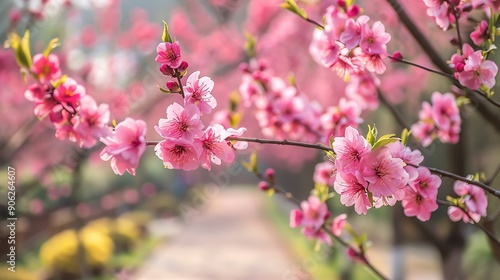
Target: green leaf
<point>165,37</point>
<point>349,3</point>
<point>291,80</point>
<point>235,119</point>
<point>54,43</point>
<point>234,101</point>
<point>462,100</point>
<point>384,142</point>
<point>270,192</point>
<point>59,82</point>
<point>164,90</point>
<point>250,43</point>
<point>294,8</point>
<point>372,135</point>
<point>252,166</point>
<point>370,197</point>
<point>331,155</point>
<point>405,135</point>
<point>322,191</point>
<point>21,49</point>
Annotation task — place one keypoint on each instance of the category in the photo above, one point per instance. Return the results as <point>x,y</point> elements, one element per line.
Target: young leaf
<point>294,8</point>
<point>384,140</point>
<point>250,43</point>
<point>251,166</point>
<point>164,90</point>
<point>372,135</point>
<point>165,37</point>
<point>405,135</point>
<point>54,43</point>
<point>21,49</point>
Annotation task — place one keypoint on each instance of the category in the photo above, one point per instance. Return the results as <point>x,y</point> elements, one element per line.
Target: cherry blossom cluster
<point>313,216</point>
<point>373,175</point>
<point>74,114</point>
<point>348,44</point>
<point>439,120</point>
<point>473,70</point>
<point>284,111</point>
<point>472,203</point>
<point>446,12</point>
<point>186,143</point>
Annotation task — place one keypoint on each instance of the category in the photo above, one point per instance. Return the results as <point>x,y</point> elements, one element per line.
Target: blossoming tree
<point>366,171</point>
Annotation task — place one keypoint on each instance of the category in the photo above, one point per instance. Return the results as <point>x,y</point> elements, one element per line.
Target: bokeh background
<point>164,224</point>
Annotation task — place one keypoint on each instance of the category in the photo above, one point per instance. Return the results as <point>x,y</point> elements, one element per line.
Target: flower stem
<point>448,75</point>
<point>179,81</point>
<point>282,142</point>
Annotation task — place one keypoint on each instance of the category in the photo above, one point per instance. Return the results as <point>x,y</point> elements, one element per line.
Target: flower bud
<point>14,16</point>
<point>264,186</point>
<point>459,67</point>
<point>341,3</point>
<point>454,41</point>
<point>396,56</point>
<point>467,7</point>
<point>183,67</point>
<point>166,70</point>
<point>353,11</point>
<point>269,173</point>
<point>173,87</point>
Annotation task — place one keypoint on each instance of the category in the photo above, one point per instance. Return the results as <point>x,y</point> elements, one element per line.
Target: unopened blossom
<point>169,54</point>
<point>125,146</point>
<point>47,68</point>
<point>178,153</point>
<point>198,92</point>
<point>214,148</point>
<point>384,172</point>
<point>90,124</point>
<point>181,122</point>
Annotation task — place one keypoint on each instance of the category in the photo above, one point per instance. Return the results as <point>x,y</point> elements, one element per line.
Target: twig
<point>399,118</point>
<point>479,225</point>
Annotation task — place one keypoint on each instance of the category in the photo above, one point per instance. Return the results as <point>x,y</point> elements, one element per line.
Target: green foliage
<point>250,43</point>
<point>292,6</point>
<point>21,48</point>
<point>252,165</point>
<point>165,37</point>
<point>54,43</point>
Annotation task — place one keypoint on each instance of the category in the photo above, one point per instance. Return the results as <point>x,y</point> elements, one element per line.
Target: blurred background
<point>164,224</point>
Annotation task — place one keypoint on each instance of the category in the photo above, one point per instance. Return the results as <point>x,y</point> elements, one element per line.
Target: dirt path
<point>230,240</point>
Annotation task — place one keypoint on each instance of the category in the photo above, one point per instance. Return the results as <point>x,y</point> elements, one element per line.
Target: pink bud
<point>353,11</point>
<point>183,67</point>
<point>173,87</point>
<point>264,186</point>
<point>166,70</point>
<point>341,3</point>
<point>454,41</point>
<point>459,67</point>
<point>396,56</point>
<point>295,218</point>
<point>14,16</point>
<point>269,173</point>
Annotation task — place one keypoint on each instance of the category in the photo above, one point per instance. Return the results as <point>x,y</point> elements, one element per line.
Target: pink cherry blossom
<point>69,93</point>
<point>384,172</point>
<point>231,132</point>
<point>352,192</point>
<point>478,72</point>
<point>214,148</point>
<point>324,173</point>
<point>338,224</point>
<point>125,146</point>
<point>398,150</point>
<point>350,149</point>
<point>362,90</point>
<point>46,68</point>
<point>336,119</point>
<point>374,39</point>
<point>169,54</point>
<point>351,36</point>
<point>42,96</point>
<point>481,33</point>
<point>198,91</point>
<point>474,197</point>
<point>417,204</point>
<point>181,122</point>
<point>179,153</point>
<point>324,48</point>
<point>91,121</point>
<point>312,215</point>
<point>426,183</point>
